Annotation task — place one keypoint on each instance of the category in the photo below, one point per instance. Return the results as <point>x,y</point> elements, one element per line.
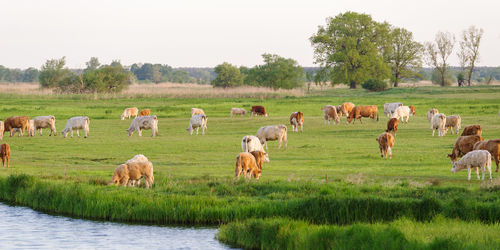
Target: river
<point>24,228</point>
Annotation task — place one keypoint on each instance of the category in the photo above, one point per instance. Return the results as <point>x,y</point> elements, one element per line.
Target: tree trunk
<point>442,78</point>
<point>470,74</point>
<point>396,80</point>
<point>353,85</point>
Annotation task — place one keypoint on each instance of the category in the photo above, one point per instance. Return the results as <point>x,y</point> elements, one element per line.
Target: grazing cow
<point>403,113</point>
<point>238,111</point>
<point>246,164</point>
<point>5,154</point>
<point>132,172</point>
<point>2,128</point>
<point>77,122</point>
<point>196,111</point>
<point>258,110</point>
<point>145,112</point>
<point>363,111</point>
<point>392,125</point>
<point>473,130</point>
<point>137,158</point>
<point>390,107</point>
<point>330,112</point>
<point>128,112</point>
<point>144,122</point>
<point>385,144</point>
<point>413,110</point>
<point>453,122</point>
<point>21,122</point>
<point>196,122</point>
<point>41,122</point>
<point>297,120</point>
<point>346,108</point>
<point>431,113</point>
<point>30,130</point>
<point>272,133</point>
<point>493,146</point>
<point>478,159</point>
<point>438,123</point>
<point>260,158</point>
<point>463,145</point>
<point>251,143</point>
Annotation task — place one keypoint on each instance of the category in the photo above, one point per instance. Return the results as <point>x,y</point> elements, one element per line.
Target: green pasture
<point>329,174</point>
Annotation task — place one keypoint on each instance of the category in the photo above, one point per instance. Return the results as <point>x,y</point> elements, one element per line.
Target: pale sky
<point>201,33</point>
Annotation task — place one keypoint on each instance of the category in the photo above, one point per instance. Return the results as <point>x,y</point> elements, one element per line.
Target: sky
<point>200,33</point>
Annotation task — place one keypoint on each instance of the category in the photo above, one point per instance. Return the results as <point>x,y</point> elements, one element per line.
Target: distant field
<point>194,174</point>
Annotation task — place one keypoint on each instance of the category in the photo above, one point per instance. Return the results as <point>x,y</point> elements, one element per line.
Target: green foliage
<point>375,85</point>
<point>277,73</point>
<point>351,48</point>
<point>405,56</point>
<point>227,76</point>
<point>448,80</point>
<point>53,72</point>
<point>157,73</point>
<point>17,75</point>
<point>106,79</point>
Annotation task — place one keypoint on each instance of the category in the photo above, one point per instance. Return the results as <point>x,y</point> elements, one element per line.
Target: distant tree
<point>469,50</point>
<point>437,78</point>
<point>352,47</point>
<point>277,72</point>
<point>310,80</point>
<point>321,78</point>
<point>106,79</point>
<point>439,51</point>
<point>53,72</point>
<point>93,63</point>
<point>157,75</point>
<point>405,57</point>
<point>227,76</point>
<point>30,75</point>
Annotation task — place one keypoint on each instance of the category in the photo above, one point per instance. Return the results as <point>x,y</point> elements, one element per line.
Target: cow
<point>472,130</point>
<point>453,122</point>
<point>77,122</point>
<point>5,154</point>
<point>238,111</point>
<point>143,122</point>
<point>21,122</point>
<point>478,159</point>
<point>330,112</point>
<point>196,111</point>
<point>413,110</point>
<point>363,111</point>
<point>431,113</point>
<point>392,125</point>
<point>297,120</point>
<point>41,122</point>
<point>492,146</point>
<point>128,112</point>
<point>145,112</point>
<point>403,113</point>
<point>385,144</point>
<point>438,123</point>
<point>390,107</point>
<point>346,108</point>
<point>132,172</point>
<point>196,122</point>
<point>258,110</point>
<point>137,158</point>
<point>251,143</point>
<point>2,128</point>
<point>463,145</point>
<point>272,133</point>
<point>247,164</point>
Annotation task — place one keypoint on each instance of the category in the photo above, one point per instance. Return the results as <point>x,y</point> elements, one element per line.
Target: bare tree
<point>469,50</point>
<point>439,51</point>
<point>405,55</point>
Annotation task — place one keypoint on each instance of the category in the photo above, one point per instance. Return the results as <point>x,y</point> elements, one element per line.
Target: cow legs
<point>86,132</point>
<point>202,131</point>
<point>477,172</point>
<point>468,173</point>
<point>140,132</point>
<point>78,132</point>
<point>496,161</point>
<point>72,133</point>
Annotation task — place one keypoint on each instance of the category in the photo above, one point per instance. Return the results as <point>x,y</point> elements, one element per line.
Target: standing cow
<point>390,107</point>
<point>385,143</point>
<point>41,122</point>
<point>272,133</point>
<point>144,122</point>
<point>196,122</point>
<point>77,122</point>
<point>128,112</point>
<point>5,154</point>
<point>258,110</point>
<point>21,122</point>
<point>330,112</point>
<point>297,120</point>
<point>358,112</point>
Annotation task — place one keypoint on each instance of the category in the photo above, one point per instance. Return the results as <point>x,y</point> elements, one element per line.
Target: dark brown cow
<point>392,125</point>
<point>21,122</point>
<point>363,111</point>
<point>5,154</point>
<point>297,120</point>
<point>258,110</point>
<point>463,145</point>
<point>472,130</point>
<point>493,146</point>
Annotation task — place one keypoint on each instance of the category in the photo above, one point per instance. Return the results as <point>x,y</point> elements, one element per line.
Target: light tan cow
<point>134,171</point>
<point>438,123</point>
<point>143,122</point>
<point>128,112</point>
<point>41,122</point>
<point>453,122</point>
<point>431,113</point>
<point>346,108</point>
<point>238,111</point>
<point>479,159</point>
<point>77,122</point>
<point>197,122</point>
<point>272,133</point>
<point>196,111</point>
<point>248,164</point>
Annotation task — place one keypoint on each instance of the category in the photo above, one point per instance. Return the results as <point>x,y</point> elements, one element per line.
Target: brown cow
<point>12,122</point>
<point>5,154</point>
<point>385,143</point>
<point>392,125</point>
<point>346,108</point>
<point>297,120</point>
<point>145,112</point>
<point>472,130</point>
<point>260,158</point>
<point>463,145</point>
<point>493,146</point>
<point>258,110</point>
<point>363,111</point>
<point>134,171</point>
<point>246,164</point>
<point>413,110</point>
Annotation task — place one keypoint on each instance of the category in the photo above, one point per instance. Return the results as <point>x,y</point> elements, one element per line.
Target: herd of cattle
<point>475,152</point>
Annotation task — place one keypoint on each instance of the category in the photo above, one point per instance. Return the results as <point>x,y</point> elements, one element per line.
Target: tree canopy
<point>227,76</point>
<point>276,72</point>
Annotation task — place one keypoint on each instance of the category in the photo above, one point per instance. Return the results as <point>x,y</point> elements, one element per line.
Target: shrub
<point>375,85</point>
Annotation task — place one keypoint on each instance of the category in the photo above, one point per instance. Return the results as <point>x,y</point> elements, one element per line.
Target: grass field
<point>328,175</point>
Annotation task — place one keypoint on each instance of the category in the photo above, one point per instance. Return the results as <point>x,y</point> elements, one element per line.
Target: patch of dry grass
<point>23,89</point>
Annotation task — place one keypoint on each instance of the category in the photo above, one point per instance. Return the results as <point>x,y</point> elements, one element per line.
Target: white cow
<point>402,113</point>
<point>438,122</point>
<point>144,122</point>
<point>77,122</point>
<point>272,133</point>
<point>128,112</point>
<point>238,111</point>
<point>474,159</point>
<point>197,111</point>
<point>251,143</point>
<point>45,122</point>
<point>390,107</point>
<point>196,122</point>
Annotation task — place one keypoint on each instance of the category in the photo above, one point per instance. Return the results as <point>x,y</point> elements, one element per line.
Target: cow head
<point>190,130</point>
<point>130,132</point>
<point>122,117</point>
<point>454,167</point>
<point>65,133</point>
<point>413,110</point>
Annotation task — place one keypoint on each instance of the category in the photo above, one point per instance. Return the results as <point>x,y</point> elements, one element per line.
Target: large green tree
<point>438,53</point>
<point>53,72</point>
<point>405,56</point>
<point>227,76</point>
<point>352,48</point>
<point>276,72</point>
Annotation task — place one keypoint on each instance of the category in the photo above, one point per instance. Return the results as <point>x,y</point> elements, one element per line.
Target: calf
<point>196,122</point>
<point>77,122</point>
<point>358,112</point>
<point>389,108</point>
<point>453,122</point>
<point>21,122</point>
<point>431,113</point>
<point>346,108</point>
<point>463,145</point>
<point>5,154</point>
<point>272,133</point>
<point>145,112</point>
<point>128,112</point>
<point>330,112</point>
<point>297,120</point>
<point>196,111</point>
<point>473,130</point>
<point>41,122</point>
<point>144,122</point>
<point>438,123</point>
<point>238,111</point>
<point>392,125</point>
<point>385,143</point>
<point>474,159</point>
<point>492,146</point>
<point>258,110</point>
<point>246,164</point>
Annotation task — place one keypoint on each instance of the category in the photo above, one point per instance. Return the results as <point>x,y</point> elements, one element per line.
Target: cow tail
<point>246,144</point>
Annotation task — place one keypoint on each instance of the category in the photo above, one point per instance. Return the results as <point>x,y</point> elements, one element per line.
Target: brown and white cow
<point>492,146</point>
<point>258,110</point>
<point>144,122</point>
<point>358,112</point>
<point>472,130</point>
<point>128,112</point>
<point>392,125</point>
<point>145,112</point>
<point>463,145</point>
<point>21,122</point>
<point>272,133</point>
<point>297,120</point>
<point>5,154</point>
<point>330,112</point>
<point>385,143</point>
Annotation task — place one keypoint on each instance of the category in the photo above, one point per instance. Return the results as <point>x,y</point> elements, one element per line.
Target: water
<point>24,228</point>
